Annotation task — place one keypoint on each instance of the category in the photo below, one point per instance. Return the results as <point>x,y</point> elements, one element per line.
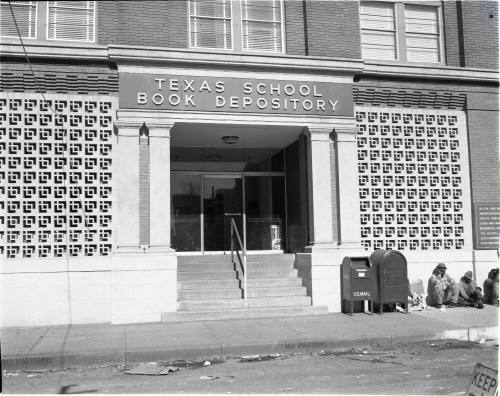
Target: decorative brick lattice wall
<point>413,181</point>
<point>55,175</point>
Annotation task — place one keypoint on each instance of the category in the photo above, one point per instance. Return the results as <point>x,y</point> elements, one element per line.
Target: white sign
<point>484,381</point>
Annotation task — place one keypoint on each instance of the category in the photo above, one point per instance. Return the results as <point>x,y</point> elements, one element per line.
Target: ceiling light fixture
<point>213,157</point>
<point>230,139</point>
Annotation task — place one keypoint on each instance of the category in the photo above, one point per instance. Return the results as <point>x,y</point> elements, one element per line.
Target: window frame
<point>36,4</point>
<point>211,48</point>
<point>282,30</point>
<point>94,30</point>
<point>400,24</point>
<point>237,31</point>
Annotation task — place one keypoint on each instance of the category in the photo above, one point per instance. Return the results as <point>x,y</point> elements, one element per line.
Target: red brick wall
<point>333,28</point>
<point>143,23</point>
<point>452,33</point>
<point>294,27</point>
<point>480,26</point>
<point>482,123</point>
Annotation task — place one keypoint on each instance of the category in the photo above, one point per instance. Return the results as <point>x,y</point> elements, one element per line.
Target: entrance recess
<point>203,205</point>
<point>222,200</point>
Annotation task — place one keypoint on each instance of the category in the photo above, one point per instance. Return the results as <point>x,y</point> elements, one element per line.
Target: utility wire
<point>58,114</point>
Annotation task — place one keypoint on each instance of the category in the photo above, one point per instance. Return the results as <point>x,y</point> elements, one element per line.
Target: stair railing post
<point>245,291</point>
<point>244,247</point>
<point>232,259</point>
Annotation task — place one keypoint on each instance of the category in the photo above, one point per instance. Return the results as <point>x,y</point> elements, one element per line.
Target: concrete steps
<point>242,313</point>
<point>208,284</point>
<point>279,301</point>
<point>209,294</point>
<point>210,287</point>
<point>276,291</point>
<point>202,275</point>
<point>219,303</point>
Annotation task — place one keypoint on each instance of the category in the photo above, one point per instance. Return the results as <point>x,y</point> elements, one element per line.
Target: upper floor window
<point>49,20</point>
<point>71,20</point>
<point>25,13</point>
<point>211,24</point>
<point>407,32</point>
<point>261,25</point>
<point>241,25</point>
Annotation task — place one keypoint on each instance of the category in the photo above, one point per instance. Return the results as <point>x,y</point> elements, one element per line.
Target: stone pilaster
<point>346,166</point>
<point>126,187</point>
<point>159,135</point>
<point>144,268</point>
<point>330,173</point>
<point>319,188</point>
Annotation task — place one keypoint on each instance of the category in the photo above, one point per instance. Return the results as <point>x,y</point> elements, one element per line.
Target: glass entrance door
<point>203,205</point>
<point>222,200</point>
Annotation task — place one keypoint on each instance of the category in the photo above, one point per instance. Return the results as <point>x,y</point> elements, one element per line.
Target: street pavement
<point>75,345</point>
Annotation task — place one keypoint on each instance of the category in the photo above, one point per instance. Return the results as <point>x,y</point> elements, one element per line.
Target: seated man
<point>469,294</point>
<point>441,288</point>
<point>491,288</point>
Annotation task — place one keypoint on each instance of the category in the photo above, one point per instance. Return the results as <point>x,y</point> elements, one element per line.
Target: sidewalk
<point>97,344</point>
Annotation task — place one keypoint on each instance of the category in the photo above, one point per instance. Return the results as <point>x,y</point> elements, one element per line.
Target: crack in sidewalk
<point>38,341</point>
<point>214,336</point>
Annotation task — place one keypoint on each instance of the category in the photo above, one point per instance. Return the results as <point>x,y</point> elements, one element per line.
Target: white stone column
<point>143,278</point>
<point>319,188</point>
<point>126,187</point>
<point>159,154</point>
<point>333,205</point>
<point>348,213</point>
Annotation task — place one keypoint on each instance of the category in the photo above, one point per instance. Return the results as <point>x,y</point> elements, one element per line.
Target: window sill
<point>236,52</point>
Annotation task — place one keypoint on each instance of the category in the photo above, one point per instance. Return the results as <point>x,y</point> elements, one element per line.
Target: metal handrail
<point>234,230</point>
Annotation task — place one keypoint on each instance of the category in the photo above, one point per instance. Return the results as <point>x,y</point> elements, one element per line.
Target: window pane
<point>379,45</point>
<point>262,36</point>
<point>71,20</point>
<point>422,34</point>
<point>210,24</point>
<point>422,49</point>
<point>25,14</point>
<point>421,19</point>
<point>377,16</point>
<point>208,8</point>
<point>185,212</point>
<point>261,25</point>
<point>262,10</point>
<point>265,212</point>
<point>378,32</point>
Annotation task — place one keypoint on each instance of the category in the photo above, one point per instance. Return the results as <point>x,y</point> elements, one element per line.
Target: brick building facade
<point>324,129</point>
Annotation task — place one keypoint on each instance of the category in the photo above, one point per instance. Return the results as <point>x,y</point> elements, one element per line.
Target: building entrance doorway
<point>222,201</point>
<point>203,205</point>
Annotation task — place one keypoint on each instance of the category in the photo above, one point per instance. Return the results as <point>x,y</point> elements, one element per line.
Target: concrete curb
<point>285,346</point>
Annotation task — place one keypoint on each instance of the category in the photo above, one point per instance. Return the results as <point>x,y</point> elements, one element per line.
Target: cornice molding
<point>429,72</point>
<point>57,50</point>
<point>125,54</point>
<point>319,133</point>
<point>336,66</point>
<point>125,127</point>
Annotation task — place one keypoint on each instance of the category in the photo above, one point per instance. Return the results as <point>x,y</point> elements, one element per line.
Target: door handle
<point>232,214</point>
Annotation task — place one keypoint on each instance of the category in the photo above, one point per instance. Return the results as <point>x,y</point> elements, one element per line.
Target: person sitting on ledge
<point>442,288</point>
<point>490,287</point>
<point>469,294</point>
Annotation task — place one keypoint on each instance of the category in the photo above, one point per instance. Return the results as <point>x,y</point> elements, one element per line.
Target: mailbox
<point>358,282</point>
<point>392,275</point>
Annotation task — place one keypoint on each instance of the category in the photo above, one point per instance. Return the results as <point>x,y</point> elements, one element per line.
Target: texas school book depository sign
<point>226,94</point>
